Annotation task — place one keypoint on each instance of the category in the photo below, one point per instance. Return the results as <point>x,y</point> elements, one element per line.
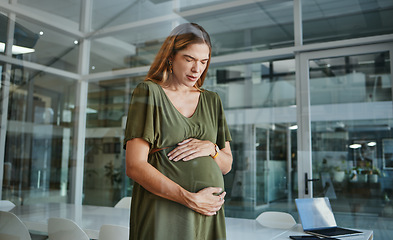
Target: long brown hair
<point>180,38</point>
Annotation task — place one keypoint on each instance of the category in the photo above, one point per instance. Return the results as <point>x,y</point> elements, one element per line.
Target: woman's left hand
<point>190,149</point>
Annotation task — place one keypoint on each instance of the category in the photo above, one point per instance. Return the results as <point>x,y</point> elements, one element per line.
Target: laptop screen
<point>315,213</point>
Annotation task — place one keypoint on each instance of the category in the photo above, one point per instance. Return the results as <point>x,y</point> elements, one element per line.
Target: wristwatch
<point>217,151</point>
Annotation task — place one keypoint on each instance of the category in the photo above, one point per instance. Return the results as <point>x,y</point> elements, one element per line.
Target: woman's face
<point>189,64</point>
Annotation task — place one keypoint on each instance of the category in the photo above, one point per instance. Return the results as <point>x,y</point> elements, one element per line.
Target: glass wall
<point>46,46</point>
<point>70,9</point>
<point>239,27</point>
<point>38,147</point>
<point>351,144</point>
<point>105,181</point>
<point>255,70</point>
<point>3,31</point>
<point>324,21</point>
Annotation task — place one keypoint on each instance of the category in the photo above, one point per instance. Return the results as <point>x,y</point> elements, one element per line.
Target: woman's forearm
<point>224,159</point>
<point>138,169</point>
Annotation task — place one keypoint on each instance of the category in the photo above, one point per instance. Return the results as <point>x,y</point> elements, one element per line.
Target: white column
<point>80,107</point>
<point>5,88</point>
<point>304,164</point>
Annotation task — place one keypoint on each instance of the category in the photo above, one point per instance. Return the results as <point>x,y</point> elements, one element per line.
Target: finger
<point>222,195</point>
<point>185,141</point>
<point>216,190</point>
<point>178,150</point>
<point>185,156</point>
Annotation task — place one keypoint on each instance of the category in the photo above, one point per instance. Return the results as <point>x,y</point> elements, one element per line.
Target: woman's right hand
<point>207,201</point>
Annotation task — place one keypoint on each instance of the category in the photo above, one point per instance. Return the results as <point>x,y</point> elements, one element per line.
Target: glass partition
<point>106,14</point>
<point>253,26</point>
<point>329,21</point>
<point>45,46</point>
<point>351,124</point>
<point>38,150</point>
<point>69,9</point>
<point>105,182</point>
<point>3,31</point>
<point>259,100</point>
<point>132,48</point>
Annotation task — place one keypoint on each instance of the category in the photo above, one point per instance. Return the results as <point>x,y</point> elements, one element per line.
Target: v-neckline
<point>173,106</point>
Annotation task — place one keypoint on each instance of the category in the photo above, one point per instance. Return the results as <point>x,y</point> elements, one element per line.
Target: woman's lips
<point>192,78</point>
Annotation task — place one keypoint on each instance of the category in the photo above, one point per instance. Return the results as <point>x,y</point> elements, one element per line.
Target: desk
<point>90,219</point>
<point>250,229</point>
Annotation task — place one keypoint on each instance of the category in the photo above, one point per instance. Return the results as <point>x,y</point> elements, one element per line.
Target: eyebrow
<point>185,55</point>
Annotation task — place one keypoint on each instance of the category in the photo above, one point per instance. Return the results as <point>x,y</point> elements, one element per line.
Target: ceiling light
<point>76,42</point>
<point>371,144</point>
<point>294,127</point>
<point>17,49</point>
<point>355,146</point>
<point>41,33</point>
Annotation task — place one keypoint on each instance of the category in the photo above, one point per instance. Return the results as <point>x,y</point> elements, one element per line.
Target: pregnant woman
<point>177,145</point>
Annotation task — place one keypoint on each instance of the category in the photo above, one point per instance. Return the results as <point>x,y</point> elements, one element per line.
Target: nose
<point>196,67</point>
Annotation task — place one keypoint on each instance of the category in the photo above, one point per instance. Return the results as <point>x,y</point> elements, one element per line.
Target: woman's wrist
<point>186,197</point>
<point>216,150</point>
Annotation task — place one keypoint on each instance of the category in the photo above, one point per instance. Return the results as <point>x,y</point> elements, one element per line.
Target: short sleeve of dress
<point>140,116</point>
<point>223,134</point>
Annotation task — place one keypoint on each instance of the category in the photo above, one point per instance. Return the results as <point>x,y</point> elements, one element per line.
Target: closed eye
<point>189,59</point>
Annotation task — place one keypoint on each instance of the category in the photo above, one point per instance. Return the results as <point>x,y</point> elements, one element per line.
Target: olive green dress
<point>153,118</point>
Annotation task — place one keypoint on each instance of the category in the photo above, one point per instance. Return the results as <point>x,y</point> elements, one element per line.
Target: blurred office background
<point>306,86</point>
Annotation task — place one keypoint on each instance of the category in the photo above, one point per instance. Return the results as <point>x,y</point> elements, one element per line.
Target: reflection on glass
<point>69,9</point>
<point>107,14</point>
<point>266,84</point>
<point>351,99</point>
<point>39,135</point>
<point>105,182</point>
<point>350,79</point>
<point>258,99</point>
<point>46,47</point>
<point>328,21</point>
<point>242,27</point>
<point>245,26</point>
<point>3,35</point>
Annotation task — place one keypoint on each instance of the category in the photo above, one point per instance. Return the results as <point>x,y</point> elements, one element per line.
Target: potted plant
<point>375,173</point>
<point>338,174</point>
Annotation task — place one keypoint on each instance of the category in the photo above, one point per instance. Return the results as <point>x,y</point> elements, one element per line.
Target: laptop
<point>317,218</point>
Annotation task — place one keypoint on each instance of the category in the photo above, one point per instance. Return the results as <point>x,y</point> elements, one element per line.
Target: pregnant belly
<point>193,175</point>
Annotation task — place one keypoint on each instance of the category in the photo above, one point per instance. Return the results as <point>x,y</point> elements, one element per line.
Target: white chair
<point>125,202</point>
<point>65,229</point>
<point>273,219</point>
<point>6,205</point>
<point>113,232</point>
<point>12,228</point>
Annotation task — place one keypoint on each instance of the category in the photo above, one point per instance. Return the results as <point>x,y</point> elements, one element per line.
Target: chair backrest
<point>113,232</point>
<point>65,229</point>
<point>12,228</point>
<point>273,219</point>
<point>6,205</point>
<point>125,202</point>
